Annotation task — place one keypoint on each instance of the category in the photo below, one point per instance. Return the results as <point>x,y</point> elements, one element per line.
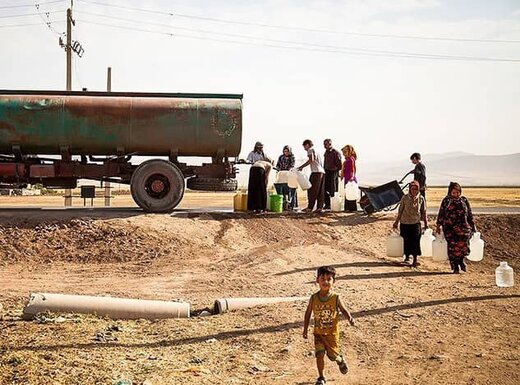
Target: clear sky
<point>298,83</point>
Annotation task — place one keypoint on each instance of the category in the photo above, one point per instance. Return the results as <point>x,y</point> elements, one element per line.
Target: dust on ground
<point>414,326</point>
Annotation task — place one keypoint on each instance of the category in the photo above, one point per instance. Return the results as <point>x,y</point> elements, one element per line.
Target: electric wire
<point>274,26</point>
<point>303,44</point>
<point>30,24</point>
<point>302,48</point>
<point>30,5</point>
<point>29,14</point>
<point>46,21</point>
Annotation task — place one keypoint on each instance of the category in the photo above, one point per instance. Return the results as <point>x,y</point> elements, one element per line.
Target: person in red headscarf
<point>412,210</point>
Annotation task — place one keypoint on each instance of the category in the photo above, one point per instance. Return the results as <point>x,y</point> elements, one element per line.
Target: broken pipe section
<point>116,308</point>
<point>223,305</point>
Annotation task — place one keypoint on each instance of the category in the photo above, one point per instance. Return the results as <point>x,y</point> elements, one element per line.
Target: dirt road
<point>414,326</point>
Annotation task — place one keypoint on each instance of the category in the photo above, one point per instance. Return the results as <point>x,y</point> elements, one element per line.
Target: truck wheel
<point>157,186</point>
<point>212,184</point>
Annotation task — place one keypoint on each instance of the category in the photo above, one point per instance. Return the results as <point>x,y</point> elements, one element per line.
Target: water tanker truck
<point>56,138</point>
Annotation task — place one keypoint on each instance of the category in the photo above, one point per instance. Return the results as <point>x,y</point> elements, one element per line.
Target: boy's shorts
<point>328,343</point>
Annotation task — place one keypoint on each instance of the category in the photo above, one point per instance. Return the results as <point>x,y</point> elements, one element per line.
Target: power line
<point>339,50</point>
<point>28,14</point>
<point>46,21</point>
<point>274,26</point>
<point>30,5</point>
<point>30,24</point>
<point>304,44</point>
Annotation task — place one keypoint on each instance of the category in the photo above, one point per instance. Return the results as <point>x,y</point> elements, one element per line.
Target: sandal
<point>343,367</point>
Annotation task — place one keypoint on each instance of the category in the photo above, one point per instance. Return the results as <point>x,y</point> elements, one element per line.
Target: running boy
<point>325,305</point>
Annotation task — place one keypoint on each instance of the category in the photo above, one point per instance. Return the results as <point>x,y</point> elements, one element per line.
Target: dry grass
<point>478,197</point>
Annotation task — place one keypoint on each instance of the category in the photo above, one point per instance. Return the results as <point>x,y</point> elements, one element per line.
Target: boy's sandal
<point>321,381</point>
<point>343,367</point>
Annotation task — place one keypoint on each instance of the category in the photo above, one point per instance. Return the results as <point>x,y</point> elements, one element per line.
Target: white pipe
<point>223,305</point>
<point>116,308</point>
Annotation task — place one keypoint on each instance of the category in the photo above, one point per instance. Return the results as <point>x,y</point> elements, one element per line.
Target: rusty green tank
<point>99,123</point>
<point>104,130</point>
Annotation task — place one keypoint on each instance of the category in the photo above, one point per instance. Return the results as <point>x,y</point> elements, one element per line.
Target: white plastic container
<point>440,248</point>
<point>335,203</point>
<point>427,243</point>
<point>394,245</point>
<point>504,275</point>
<point>303,181</point>
<point>282,177</point>
<point>341,188</point>
<point>292,179</point>
<point>352,192</point>
<point>476,246</point>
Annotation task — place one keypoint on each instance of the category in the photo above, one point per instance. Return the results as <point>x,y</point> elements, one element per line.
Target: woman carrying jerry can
<point>412,210</point>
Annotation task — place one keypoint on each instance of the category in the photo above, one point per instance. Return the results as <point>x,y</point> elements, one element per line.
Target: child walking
<point>325,304</point>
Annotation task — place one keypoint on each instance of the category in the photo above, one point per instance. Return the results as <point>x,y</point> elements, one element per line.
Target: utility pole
<point>68,50</point>
<point>107,184</point>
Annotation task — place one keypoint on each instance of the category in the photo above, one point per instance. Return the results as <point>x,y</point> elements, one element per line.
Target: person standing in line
<point>257,187</point>
<point>412,210</point>
<point>348,173</point>
<point>455,219</point>
<point>258,154</point>
<point>419,172</point>
<point>332,166</point>
<point>285,163</point>
<point>315,194</point>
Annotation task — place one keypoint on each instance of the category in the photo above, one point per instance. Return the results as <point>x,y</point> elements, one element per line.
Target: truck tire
<point>212,184</point>
<point>157,186</point>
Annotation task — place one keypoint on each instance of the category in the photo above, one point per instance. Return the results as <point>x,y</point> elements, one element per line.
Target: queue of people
<point>327,172</point>
<point>454,219</point>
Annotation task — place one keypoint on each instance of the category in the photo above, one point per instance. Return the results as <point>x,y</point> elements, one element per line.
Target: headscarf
<point>285,162</point>
<point>415,199</point>
<point>257,145</point>
<point>454,185</point>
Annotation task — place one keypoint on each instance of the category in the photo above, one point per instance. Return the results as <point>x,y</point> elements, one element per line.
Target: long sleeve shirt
<point>332,161</point>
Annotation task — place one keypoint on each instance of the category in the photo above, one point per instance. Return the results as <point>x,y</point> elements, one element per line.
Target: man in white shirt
<point>316,193</point>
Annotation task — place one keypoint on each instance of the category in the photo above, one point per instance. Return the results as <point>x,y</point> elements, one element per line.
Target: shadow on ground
<point>267,329</point>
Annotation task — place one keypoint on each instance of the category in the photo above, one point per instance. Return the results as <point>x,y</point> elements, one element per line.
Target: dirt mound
<point>80,240</point>
<point>148,238</point>
<point>500,232</point>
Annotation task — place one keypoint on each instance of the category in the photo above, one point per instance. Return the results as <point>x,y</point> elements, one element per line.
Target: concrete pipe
<point>116,308</point>
<point>223,305</point>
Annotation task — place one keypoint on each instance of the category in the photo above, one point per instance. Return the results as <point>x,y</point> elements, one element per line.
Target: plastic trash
<point>504,275</point>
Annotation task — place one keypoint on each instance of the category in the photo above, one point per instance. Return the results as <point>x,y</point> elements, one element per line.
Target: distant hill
<point>467,169</point>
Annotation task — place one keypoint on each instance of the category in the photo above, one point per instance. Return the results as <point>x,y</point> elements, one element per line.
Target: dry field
<point>414,326</point>
<point>479,197</point>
